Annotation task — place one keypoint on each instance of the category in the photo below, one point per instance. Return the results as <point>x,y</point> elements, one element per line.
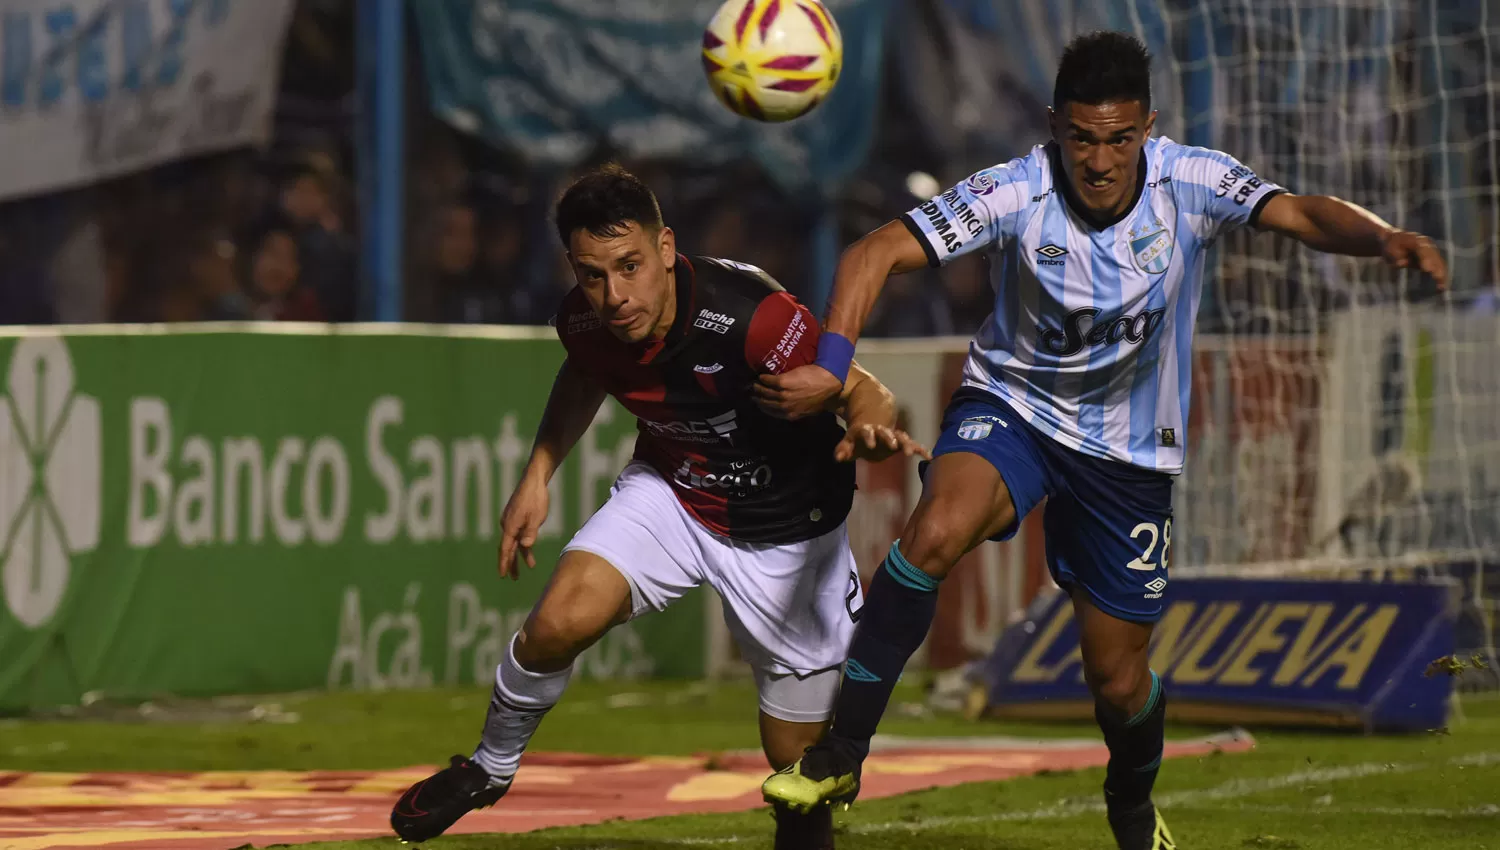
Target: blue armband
<point>835,353</point>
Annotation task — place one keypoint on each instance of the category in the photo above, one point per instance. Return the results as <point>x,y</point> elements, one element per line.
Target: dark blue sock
<point>1135,748</point>
<point>895,620</point>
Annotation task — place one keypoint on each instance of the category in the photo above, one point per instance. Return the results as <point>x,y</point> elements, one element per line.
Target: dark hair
<point>266,227</point>
<point>1104,67</point>
<point>603,200</point>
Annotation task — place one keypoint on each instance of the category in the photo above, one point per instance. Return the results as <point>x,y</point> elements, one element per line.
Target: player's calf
<point>1130,706</point>
<point>964,502</point>
<point>948,522</point>
<point>585,598</point>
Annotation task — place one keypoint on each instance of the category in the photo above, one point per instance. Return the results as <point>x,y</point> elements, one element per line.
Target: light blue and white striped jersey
<point>1092,332</point>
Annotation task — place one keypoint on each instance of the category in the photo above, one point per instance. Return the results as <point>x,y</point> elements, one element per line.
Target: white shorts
<point>789,606</point>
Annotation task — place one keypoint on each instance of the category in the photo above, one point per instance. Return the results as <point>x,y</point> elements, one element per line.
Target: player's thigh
<point>1109,536</point>
<point>791,608</point>
<point>636,550</point>
<point>985,476</point>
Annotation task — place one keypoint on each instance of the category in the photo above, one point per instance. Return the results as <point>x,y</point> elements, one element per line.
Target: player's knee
<point>1123,686</point>
<point>934,540</point>
<point>562,626</point>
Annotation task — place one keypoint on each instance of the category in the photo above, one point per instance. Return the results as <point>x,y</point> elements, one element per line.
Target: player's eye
<point>1119,140</point>
<point>631,268</point>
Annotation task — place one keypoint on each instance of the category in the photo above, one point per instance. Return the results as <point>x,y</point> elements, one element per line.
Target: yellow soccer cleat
<point>821,777</point>
<point>1163,836</point>
<point>1141,828</point>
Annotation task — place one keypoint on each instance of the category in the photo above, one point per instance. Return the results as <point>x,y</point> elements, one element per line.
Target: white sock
<point>520,701</point>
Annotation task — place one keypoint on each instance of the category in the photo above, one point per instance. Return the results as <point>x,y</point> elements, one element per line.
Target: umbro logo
<point>1156,586</point>
<point>1052,255</point>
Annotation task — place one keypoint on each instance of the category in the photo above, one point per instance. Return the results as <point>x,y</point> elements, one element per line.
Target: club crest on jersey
<point>1151,244</point>
<point>978,427</point>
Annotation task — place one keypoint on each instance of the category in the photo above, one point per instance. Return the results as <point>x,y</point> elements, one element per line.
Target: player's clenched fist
<point>523,517</point>
<point>876,443</point>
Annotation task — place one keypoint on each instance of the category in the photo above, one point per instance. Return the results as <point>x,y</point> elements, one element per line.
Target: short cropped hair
<point>604,201</point>
<point>1103,67</point>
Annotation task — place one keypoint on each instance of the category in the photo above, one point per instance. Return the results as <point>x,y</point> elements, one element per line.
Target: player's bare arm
<point>1336,226</point>
<point>869,410</point>
<point>862,272</point>
<point>570,408</point>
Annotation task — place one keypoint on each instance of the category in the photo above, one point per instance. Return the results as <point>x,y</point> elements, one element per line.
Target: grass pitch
<point>1296,791</point>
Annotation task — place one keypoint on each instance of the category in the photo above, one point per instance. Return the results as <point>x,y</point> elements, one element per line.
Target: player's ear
<point>1052,124</point>
<point>666,244</point>
<point>1150,123</point>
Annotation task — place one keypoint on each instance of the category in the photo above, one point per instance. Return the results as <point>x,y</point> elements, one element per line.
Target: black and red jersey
<point>743,474</point>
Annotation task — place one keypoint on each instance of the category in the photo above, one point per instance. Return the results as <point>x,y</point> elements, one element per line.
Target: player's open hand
<point>798,393</point>
<point>1407,250</point>
<point>876,443</point>
<point>519,524</point>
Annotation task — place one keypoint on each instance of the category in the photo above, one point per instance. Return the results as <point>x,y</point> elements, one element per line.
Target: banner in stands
<point>1247,651</point>
<point>93,88</point>
<point>557,80</point>
<point>193,512</point>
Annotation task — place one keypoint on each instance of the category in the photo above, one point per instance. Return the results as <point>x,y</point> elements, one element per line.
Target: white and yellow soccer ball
<point>772,60</point>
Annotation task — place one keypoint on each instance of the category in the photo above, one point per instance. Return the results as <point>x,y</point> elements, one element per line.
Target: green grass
<point>1296,791</point>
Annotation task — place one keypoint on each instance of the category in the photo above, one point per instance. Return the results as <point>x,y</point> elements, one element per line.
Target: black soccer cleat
<point>797,831</point>
<point>1140,828</point>
<point>429,807</point>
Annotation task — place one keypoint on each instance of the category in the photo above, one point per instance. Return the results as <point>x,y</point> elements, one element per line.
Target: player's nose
<point>614,294</point>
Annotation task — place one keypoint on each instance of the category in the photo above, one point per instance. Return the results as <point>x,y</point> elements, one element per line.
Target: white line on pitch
<point>1486,811</point>
<point>1073,807</point>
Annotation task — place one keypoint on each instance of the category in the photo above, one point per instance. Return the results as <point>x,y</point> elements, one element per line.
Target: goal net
<point>1346,417</point>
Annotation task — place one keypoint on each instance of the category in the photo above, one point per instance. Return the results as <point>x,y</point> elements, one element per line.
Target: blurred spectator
<point>273,289</point>
<point>325,250</point>
<point>911,305</point>
<point>481,284</point>
<point>24,296</point>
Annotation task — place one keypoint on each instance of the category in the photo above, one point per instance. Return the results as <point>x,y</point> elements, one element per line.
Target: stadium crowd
<point>272,234</point>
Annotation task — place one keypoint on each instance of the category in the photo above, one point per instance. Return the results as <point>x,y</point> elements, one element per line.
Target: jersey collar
<point>653,349</point>
<point>1065,188</point>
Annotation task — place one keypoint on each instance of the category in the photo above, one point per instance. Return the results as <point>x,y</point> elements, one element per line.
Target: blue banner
<point>558,80</point>
<point>1249,651</point>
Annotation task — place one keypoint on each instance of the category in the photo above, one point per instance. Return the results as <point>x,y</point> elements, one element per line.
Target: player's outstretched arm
<point>571,406</point>
<point>869,411</point>
<point>862,272</point>
<point>1336,226</point>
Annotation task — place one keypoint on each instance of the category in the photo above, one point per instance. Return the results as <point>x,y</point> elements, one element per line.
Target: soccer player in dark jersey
<point>718,493</point>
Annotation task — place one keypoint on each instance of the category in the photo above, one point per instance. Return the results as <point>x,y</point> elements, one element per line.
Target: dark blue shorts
<point>1108,525</point>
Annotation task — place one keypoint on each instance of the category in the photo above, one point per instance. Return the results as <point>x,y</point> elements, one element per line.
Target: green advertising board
<point>200,511</point>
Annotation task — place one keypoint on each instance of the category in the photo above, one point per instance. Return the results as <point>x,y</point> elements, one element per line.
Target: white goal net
<point>1346,416</point>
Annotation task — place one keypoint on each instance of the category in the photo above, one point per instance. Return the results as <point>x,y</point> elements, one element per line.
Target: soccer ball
<point>772,60</point>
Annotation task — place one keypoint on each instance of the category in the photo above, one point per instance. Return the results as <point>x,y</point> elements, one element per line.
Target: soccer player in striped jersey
<point>1075,391</point>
